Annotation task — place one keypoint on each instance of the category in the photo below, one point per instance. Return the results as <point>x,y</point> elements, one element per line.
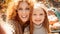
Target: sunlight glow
<point>7,28</point>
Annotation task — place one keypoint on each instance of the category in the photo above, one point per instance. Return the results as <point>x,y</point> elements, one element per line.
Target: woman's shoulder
<point>16,26</point>
<point>12,22</point>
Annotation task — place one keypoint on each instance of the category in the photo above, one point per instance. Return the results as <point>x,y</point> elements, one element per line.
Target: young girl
<point>38,21</point>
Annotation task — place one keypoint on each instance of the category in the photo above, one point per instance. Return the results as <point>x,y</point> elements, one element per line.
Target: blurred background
<point>53,13</point>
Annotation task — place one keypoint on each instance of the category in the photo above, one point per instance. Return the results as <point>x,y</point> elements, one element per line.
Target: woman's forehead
<point>23,4</point>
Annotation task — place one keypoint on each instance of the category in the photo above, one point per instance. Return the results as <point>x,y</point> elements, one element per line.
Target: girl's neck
<point>37,26</point>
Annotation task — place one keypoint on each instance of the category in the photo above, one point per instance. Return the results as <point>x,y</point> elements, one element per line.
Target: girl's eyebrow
<point>27,7</point>
<point>41,13</point>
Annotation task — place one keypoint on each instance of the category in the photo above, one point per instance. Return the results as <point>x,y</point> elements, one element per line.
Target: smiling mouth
<point>37,20</point>
<point>24,16</point>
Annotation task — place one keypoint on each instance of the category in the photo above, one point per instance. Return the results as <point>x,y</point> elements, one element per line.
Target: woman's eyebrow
<point>19,8</point>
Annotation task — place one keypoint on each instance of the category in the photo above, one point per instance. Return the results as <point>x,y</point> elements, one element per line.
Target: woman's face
<point>23,11</point>
<point>38,16</point>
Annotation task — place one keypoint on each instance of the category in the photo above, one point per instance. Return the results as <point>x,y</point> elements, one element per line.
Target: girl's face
<point>23,11</point>
<point>38,16</point>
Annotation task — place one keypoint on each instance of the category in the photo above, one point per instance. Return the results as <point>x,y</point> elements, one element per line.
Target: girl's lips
<point>37,20</point>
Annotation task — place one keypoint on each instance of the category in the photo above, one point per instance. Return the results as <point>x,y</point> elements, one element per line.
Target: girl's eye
<point>34,14</point>
<point>41,14</point>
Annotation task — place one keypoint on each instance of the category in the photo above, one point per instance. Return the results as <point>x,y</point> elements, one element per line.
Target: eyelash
<point>39,14</point>
<point>20,9</point>
<point>34,14</point>
<point>25,9</point>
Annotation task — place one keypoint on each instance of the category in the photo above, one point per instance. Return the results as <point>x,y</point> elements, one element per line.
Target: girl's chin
<point>38,24</point>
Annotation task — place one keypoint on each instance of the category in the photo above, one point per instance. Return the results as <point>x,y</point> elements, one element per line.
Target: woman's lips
<point>23,16</point>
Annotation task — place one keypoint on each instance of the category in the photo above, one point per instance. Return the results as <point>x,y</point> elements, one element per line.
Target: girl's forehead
<point>37,9</point>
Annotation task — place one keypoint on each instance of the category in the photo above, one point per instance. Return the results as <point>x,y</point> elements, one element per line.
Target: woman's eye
<point>27,9</point>
<point>20,9</point>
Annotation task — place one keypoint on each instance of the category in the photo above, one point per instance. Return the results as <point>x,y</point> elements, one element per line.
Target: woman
<point>38,21</point>
<point>21,15</point>
<point>23,10</point>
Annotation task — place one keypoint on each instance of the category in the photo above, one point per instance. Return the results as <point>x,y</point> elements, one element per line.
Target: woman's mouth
<point>24,16</point>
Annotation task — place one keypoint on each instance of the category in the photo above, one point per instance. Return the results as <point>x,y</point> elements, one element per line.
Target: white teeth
<point>24,16</point>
